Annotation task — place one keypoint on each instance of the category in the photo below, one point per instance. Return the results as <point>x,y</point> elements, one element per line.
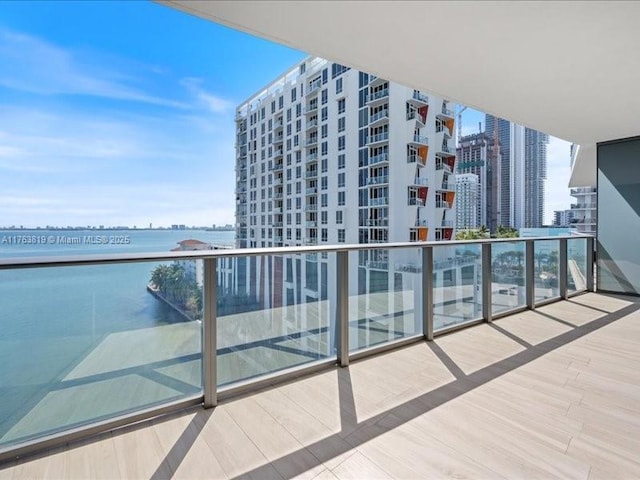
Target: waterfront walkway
<point>550,393</point>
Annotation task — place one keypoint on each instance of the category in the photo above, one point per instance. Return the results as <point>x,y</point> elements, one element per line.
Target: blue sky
<point>121,113</point>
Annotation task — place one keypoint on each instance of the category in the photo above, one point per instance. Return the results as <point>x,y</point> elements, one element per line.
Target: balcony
<point>446,112</point>
<point>308,174</point>
<point>312,157</point>
<point>415,115</point>
<point>312,123</point>
<point>421,181</point>
<point>377,222</point>
<point>419,140</point>
<point>378,138</point>
<point>378,97</point>
<point>375,202</point>
<point>443,166</point>
<point>311,208</point>
<point>416,159</point>
<point>311,141</point>
<point>547,381</point>
<point>442,204</point>
<point>277,167</point>
<point>379,158</point>
<point>420,98</point>
<point>420,223</point>
<point>379,180</point>
<point>311,190</point>
<point>311,108</point>
<point>415,201</point>
<point>379,118</point>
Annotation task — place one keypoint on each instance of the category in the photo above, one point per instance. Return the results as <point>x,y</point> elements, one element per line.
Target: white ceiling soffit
<point>570,69</point>
<point>583,173</point>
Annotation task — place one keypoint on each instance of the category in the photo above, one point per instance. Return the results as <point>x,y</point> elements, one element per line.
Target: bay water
<point>53,319</point>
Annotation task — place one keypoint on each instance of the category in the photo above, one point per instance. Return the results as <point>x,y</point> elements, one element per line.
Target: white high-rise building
<point>328,154</point>
<point>467,200</point>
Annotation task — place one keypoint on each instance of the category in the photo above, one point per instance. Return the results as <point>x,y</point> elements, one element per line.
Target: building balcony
<point>377,222</point>
<point>416,202</point>
<point>416,159</point>
<point>309,109</point>
<point>445,113</point>
<point>311,241</point>
<point>378,138</point>
<point>420,223</point>
<point>310,174</point>
<point>442,204</point>
<point>277,181</point>
<point>311,141</point>
<point>558,375</point>
<point>415,115</point>
<point>443,166</point>
<point>375,202</point>
<point>376,265</point>
<point>420,181</point>
<point>419,140</point>
<point>379,158</point>
<point>278,124</point>
<point>311,190</point>
<point>378,97</point>
<point>311,224</point>
<point>379,118</point>
<point>447,186</point>
<point>312,157</point>
<point>311,208</point>
<point>379,180</point>
<point>312,124</point>
<point>278,167</point>
<point>314,87</point>
<point>447,223</point>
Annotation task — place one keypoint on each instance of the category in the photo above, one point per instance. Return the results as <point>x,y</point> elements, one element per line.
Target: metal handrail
<point>75,260</point>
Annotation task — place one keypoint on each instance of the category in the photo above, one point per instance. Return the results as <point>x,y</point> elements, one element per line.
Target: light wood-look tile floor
<point>551,393</point>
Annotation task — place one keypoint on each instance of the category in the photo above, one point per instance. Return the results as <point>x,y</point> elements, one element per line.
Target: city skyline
<point>131,129</point>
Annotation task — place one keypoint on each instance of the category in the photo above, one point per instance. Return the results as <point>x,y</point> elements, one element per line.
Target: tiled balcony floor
<point>553,393</point>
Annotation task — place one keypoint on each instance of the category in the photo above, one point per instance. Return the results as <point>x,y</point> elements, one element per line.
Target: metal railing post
<point>342,306</point>
<point>486,282</point>
<point>209,333</point>
<point>427,292</point>
<point>591,287</point>
<point>529,276</point>
<point>563,278</point>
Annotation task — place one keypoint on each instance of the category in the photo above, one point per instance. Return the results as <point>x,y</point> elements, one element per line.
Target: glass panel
<point>457,285</point>
<point>546,268</point>
<point>273,313</point>
<point>82,344</point>
<point>384,296</point>
<point>507,276</point>
<point>576,264</point>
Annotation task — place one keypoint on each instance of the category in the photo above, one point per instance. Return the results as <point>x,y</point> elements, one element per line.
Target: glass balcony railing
<point>381,157</point>
<point>79,355</point>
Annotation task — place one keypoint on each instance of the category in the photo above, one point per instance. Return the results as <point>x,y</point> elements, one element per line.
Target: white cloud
<point>212,102</point>
<point>33,65</point>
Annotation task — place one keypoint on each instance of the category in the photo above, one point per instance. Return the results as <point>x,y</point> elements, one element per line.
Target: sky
<point>121,113</point>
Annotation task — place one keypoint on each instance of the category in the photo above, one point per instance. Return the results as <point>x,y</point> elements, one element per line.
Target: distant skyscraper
<point>523,171</point>
<point>468,201</point>
<point>562,218</point>
<point>475,155</point>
